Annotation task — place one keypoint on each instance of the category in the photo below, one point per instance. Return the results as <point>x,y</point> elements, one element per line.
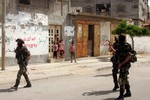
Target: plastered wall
<point>32,28</point>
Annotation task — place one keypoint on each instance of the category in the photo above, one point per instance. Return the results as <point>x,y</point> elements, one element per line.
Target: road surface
<point>96,85</point>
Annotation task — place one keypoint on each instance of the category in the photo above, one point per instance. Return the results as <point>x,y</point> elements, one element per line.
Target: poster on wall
<point>32,28</point>
<point>69,30</point>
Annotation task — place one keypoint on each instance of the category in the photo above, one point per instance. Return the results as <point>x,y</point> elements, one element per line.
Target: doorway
<point>90,40</point>
<point>54,35</point>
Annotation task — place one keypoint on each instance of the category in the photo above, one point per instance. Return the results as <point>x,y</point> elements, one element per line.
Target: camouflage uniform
<point>115,67</point>
<point>123,52</point>
<point>21,55</point>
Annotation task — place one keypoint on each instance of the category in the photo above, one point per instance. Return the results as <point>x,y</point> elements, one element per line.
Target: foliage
<point>146,32</point>
<point>131,30</point>
<point>121,28</point>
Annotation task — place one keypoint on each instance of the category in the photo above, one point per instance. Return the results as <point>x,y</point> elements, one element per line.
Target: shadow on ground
<point>104,75</point>
<point>97,93</point>
<point>103,59</point>
<point>109,99</point>
<point>7,90</point>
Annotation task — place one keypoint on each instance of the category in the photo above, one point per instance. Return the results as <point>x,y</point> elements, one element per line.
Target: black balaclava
<point>116,39</point>
<point>122,39</point>
<point>19,44</point>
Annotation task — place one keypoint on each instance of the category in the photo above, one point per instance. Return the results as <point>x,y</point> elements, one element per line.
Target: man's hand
<point>125,61</point>
<point>109,42</point>
<point>119,65</point>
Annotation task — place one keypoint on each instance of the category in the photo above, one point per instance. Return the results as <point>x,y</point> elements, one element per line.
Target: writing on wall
<point>32,28</point>
<point>105,34</point>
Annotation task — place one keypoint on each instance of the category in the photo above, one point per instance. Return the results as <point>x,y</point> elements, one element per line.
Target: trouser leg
<point>121,96</point>
<point>127,87</point>
<point>122,87</point>
<point>115,79</point>
<point>74,56</point>
<point>17,83</point>
<point>27,79</point>
<point>56,54</point>
<point>19,74</point>
<point>128,92</point>
<point>71,56</point>
<point>121,90</point>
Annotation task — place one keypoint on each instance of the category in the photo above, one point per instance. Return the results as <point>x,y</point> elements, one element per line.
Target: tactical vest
<point>123,51</point>
<point>22,53</point>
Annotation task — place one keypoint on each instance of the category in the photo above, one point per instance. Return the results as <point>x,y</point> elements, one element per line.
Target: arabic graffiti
<point>32,29</point>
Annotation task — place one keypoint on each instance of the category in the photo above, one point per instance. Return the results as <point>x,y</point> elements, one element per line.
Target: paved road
<point>94,85</point>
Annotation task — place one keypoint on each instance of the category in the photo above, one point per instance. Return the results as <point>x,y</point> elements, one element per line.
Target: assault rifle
<point>21,60</point>
<point>109,42</point>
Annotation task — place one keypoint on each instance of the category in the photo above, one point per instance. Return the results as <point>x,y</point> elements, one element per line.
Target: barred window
<point>35,3</point>
<point>27,2</point>
<point>103,7</point>
<point>88,9</point>
<point>120,8</point>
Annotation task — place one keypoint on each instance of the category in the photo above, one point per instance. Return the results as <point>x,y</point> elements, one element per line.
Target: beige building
<point>131,9</point>
<point>41,22</point>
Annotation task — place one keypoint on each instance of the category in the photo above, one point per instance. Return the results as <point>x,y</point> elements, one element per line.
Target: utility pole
<point>3,34</point>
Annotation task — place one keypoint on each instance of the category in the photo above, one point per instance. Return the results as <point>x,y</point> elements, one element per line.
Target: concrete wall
<point>133,8</point>
<point>58,12</point>
<point>104,35</point>
<point>32,28</point>
<point>69,34</point>
<point>58,16</point>
<point>30,24</point>
<point>83,4</point>
<point>130,12</point>
<point>141,44</point>
<point>143,10</point>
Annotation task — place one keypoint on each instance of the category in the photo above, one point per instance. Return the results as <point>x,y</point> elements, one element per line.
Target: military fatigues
<point>21,55</point>
<point>123,52</point>
<point>115,67</point>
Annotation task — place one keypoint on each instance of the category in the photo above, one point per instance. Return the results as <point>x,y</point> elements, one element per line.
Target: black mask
<point>19,44</point>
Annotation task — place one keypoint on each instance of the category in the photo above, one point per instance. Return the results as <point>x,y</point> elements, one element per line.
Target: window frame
<point>44,6</point>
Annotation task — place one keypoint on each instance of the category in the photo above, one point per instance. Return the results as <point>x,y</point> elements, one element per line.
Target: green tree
<point>131,30</point>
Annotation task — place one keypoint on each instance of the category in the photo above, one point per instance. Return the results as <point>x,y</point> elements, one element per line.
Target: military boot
<point>28,81</point>
<point>115,87</point>
<point>128,92</point>
<point>121,97</point>
<point>28,84</point>
<point>16,85</point>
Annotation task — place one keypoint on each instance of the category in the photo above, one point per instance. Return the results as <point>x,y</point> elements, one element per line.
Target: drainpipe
<point>3,34</point>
